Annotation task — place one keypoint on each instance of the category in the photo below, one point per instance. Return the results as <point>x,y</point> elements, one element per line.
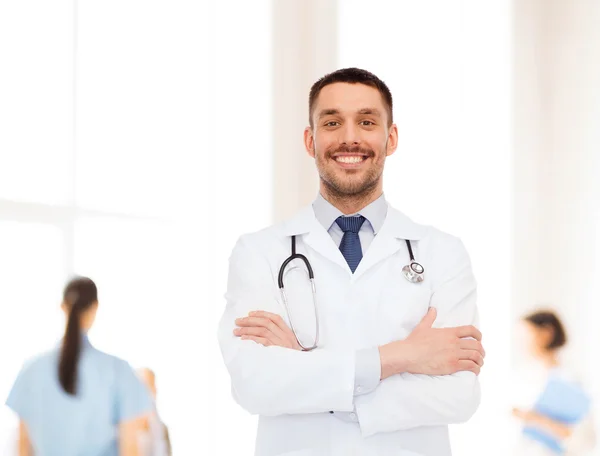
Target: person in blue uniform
<point>75,400</point>
<point>557,416</point>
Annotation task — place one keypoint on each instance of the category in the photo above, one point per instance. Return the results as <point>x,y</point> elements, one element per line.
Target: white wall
<point>134,147</point>
<point>239,177</point>
<point>556,142</point>
<point>556,225</point>
<point>448,67</point>
<point>305,46</point>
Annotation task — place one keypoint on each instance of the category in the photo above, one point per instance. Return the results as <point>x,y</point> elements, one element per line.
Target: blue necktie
<point>350,245</point>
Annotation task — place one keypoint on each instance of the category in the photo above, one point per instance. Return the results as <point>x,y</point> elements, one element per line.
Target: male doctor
<point>396,361</point>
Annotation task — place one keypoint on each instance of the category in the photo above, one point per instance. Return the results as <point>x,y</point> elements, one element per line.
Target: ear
<point>392,142</point>
<point>309,141</point>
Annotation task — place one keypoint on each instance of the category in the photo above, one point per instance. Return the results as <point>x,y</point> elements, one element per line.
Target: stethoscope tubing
<point>298,256</point>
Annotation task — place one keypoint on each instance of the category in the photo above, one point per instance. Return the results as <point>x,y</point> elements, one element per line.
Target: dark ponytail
<point>79,295</point>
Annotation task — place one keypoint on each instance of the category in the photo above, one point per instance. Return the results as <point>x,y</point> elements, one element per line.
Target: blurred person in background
<point>75,400</point>
<point>558,421</point>
<point>154,436</point>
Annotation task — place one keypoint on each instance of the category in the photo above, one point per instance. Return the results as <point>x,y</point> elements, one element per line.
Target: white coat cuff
<point>348,417</point>
<point>367,373</point>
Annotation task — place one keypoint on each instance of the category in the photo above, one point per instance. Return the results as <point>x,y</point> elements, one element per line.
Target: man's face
<point>350,138</point>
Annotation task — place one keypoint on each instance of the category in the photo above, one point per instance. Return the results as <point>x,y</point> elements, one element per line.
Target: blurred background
<point>139,139</point>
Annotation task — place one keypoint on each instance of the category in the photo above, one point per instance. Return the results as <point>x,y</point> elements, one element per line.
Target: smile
<point>350,159</point>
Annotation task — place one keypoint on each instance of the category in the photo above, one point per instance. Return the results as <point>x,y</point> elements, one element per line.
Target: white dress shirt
<point>368,363</point>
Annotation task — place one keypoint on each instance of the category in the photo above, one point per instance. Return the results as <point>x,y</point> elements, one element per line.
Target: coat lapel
<point>314,235</point>
<point>396,228</point>
<point>390,239</point>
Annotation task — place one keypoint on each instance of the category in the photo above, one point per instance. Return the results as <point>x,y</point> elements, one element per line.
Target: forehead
<point>348,98</point>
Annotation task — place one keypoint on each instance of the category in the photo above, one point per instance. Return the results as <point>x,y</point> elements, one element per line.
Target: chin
<point>348,183</point>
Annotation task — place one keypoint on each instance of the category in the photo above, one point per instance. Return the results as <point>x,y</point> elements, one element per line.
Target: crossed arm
<point>430,378</point>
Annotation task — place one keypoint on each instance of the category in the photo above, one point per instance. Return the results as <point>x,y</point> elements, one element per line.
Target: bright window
<point>135,151</point>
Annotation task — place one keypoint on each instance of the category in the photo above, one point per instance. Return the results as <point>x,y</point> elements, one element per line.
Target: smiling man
<point>381,352</point>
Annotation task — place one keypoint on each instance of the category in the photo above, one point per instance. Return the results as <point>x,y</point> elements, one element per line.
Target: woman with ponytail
<point>76,400</point>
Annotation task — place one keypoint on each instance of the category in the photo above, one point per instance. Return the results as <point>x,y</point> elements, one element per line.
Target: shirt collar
<point>326,213</point>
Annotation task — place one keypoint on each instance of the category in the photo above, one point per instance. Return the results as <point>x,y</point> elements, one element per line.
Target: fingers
<point>260,327</point>
<point>470,344</point>
<point>468,331</point>
<point>468,366</point>
<point>286,333</point>
<point>261,322</point>
<point>429,318</point>
<point>278,331</point>
<point>276,319</point>
<point>471,355</point>
<point>258,340</point>
<point>257,331</point>
<point>255,321</point>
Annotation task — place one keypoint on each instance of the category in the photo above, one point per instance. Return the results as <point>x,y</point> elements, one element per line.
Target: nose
<point>349,135</point>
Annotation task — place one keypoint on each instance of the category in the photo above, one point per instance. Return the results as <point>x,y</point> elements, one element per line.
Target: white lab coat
<point>294,391</point>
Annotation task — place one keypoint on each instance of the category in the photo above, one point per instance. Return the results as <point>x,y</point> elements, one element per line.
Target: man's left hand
<point>267,329</point>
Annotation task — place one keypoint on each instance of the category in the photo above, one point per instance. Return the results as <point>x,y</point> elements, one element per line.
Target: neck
<point>550,359</point>
<point>351,204</point>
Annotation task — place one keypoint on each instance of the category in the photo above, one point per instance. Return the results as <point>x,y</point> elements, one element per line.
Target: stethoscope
<point>413,272</point>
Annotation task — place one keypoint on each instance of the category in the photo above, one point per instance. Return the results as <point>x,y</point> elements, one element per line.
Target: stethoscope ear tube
<point>410,252</point>
<point>292,257</point>
<point>311,277</point>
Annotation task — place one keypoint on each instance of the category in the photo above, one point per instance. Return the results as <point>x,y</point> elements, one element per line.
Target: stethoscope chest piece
<point>414,272</point>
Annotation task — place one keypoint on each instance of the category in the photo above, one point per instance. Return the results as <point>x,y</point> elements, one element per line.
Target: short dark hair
<point>351,76</point>
<point>548,319</point>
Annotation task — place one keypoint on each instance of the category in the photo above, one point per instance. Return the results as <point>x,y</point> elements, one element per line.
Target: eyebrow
<point>370,111</point>
<point>328,112</point>
<point>364,111</point>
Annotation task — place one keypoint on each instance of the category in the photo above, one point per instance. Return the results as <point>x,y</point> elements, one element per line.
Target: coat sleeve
<point>406,401</point>
<point>274,380</point>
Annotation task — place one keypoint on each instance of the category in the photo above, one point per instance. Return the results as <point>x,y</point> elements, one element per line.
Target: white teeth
<point>351,159</point>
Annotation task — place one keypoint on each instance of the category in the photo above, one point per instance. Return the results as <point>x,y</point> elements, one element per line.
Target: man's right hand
<point>433,351</point>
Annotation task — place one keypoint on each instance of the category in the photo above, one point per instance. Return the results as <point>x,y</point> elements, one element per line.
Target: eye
<point>367,123</point>
<point>332,123</point>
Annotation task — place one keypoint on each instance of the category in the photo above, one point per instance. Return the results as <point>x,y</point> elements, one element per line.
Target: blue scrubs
<point>108,392</point>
